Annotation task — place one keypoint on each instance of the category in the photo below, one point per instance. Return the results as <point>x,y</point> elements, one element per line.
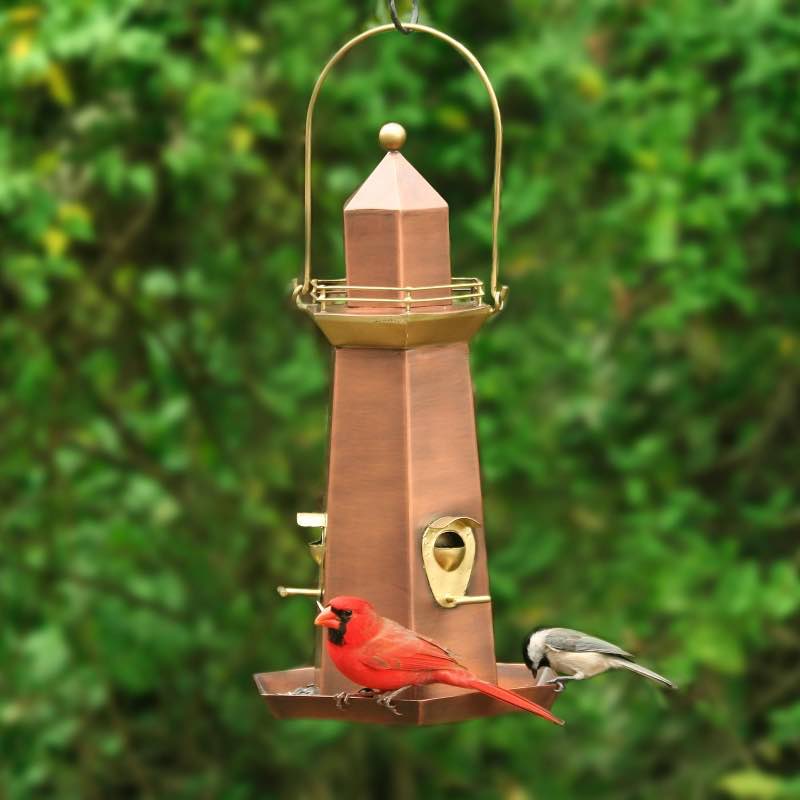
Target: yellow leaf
<point>248,42</point>
<point>523,265</point>
<point>124,279</point>
<point>751,784</point>
<point>647,160</point>
<point>591,83</point>
<point>59,85</point>
<point>48,162</point>
<point>74,211</point>
<point>257,107</point>
<point>787,344</point>
<point>241,138</point>
<point>22,14</point>
<point>55,241</point>
<point>20,46</point>
<point>453,118</point>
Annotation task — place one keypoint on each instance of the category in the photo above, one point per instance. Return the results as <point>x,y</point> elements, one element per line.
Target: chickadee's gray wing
<point>578,642</point>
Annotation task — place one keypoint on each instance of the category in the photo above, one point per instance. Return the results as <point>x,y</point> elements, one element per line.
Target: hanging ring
<point>396,20</point>
<point>498,292</point>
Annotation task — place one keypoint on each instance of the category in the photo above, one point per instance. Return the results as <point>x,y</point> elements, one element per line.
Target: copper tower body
<point>403,447</point>
<point>403,526</point>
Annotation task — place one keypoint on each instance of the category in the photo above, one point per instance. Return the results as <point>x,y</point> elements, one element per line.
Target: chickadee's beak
<point>326,618</point>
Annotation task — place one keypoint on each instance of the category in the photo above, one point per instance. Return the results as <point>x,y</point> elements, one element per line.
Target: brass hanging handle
<point>498,292</point>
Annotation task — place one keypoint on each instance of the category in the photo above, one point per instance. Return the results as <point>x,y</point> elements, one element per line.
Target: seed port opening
<point>449,550</point>
<point>449,539</point>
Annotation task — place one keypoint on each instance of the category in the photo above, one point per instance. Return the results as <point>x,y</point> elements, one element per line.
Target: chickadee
<point>578,655</point>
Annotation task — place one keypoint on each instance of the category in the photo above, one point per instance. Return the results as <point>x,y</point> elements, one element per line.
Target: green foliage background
<point>164,410</point>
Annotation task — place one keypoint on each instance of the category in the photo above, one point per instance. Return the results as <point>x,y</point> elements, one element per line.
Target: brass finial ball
<point>392,136</point>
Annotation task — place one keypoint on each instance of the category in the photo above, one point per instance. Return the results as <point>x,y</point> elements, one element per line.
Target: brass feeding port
<point>448,555</point>
<point>449,550</point>
<point>316,550</point>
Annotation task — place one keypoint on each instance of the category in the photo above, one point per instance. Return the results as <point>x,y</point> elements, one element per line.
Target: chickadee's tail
<point>622,663</point>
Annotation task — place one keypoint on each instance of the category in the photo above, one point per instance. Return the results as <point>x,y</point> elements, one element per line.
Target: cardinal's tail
<point>455,678</point>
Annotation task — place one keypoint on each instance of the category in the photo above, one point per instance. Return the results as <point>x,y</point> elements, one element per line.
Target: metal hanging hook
<point>396,20</point>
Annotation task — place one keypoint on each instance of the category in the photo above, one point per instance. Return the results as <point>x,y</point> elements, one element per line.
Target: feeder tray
<point>454,705</point>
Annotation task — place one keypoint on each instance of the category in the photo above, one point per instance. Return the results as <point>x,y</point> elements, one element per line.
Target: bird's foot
<point>560,680</point>
<point>387,701</point>
<point>343,698</point>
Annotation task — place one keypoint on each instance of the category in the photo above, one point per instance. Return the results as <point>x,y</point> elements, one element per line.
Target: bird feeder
<point>403,524</point>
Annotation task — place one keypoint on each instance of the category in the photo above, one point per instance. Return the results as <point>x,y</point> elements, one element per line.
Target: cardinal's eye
<point>343,614</point>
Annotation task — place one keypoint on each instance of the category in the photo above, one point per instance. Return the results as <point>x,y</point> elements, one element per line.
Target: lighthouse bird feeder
<point>403,524</point>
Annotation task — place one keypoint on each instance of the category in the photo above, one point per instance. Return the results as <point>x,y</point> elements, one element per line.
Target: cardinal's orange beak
<point>327,619</point>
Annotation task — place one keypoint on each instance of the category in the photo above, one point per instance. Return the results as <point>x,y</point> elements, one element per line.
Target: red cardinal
<point>382,655</point>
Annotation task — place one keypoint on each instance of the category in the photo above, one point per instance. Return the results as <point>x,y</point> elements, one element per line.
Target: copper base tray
<point>275,687</point>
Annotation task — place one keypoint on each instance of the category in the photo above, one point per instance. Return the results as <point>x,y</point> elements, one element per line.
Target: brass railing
<point>336,292</point>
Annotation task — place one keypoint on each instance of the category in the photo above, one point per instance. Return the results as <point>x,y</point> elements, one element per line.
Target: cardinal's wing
<point>579,642</point>
<point>396,647</point>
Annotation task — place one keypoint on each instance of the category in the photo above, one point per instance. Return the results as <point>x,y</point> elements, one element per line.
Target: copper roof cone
<point>395,185</point>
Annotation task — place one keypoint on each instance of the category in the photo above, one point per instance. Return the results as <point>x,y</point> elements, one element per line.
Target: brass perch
<point>290,591</point>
